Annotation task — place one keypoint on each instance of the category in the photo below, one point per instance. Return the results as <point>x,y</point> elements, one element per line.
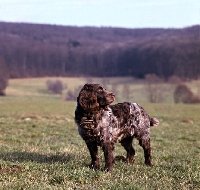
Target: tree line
<point>36,50</point>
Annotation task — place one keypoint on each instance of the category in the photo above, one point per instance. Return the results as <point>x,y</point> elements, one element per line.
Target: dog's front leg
<point>92,147</point>
<point>108,148</point>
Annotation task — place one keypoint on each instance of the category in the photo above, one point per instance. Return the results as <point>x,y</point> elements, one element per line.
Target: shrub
<point>55,87</point>
<point>174,80</point>
<point>3,77</point>
<point>183,94</point>
<point>72,95</point>
<point>3,84</point>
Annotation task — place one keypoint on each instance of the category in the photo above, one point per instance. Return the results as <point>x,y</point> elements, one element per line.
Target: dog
<point>102,124</point>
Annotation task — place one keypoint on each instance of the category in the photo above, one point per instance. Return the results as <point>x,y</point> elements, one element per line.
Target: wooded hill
<point>35,50</point>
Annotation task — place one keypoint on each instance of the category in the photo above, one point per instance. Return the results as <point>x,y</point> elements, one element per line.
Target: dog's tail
<point>154,121</point>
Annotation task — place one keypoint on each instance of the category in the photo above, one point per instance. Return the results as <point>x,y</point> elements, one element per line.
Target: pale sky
<point>103,13</point>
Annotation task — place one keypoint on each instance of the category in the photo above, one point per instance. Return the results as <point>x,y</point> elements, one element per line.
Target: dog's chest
<point>88,131</point>
<point>99,128</point>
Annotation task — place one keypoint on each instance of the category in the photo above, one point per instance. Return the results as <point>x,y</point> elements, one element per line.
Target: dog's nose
<point>112,94</point>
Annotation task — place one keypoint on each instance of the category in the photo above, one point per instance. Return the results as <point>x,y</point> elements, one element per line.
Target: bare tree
<point>105,82</point>
<point>154,88</point>
<point>126,92</point>
<point>115,90</point>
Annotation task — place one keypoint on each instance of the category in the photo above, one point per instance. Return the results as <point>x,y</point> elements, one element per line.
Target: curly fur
<point>102,124</point>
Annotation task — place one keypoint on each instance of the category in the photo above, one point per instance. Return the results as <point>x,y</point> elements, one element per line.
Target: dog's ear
<point>88,100</point>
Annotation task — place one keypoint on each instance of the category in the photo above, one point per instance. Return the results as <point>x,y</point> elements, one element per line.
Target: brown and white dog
<point>102,124</point>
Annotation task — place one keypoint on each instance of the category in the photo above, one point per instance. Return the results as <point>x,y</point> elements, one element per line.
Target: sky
<point>103,13</point>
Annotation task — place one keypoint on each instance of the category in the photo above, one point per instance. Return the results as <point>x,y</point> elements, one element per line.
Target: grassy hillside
<point>41,149</point>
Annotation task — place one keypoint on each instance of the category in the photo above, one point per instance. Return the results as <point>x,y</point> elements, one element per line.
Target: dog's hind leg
<point>127,144</point>
<point>144,141</point>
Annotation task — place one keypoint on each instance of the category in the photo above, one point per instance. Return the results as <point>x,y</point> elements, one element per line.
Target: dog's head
<point>92,97</point>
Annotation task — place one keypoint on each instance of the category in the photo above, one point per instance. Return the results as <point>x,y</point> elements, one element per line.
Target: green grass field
<point>41,148</point>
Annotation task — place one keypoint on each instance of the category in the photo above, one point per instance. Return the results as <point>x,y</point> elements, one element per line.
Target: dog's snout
<point>111,94</point>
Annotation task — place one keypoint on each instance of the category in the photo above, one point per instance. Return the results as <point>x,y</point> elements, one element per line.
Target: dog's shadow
<point>35,157</point>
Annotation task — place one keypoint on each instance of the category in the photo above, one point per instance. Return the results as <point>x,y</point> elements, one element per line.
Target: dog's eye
<point>100,90</point>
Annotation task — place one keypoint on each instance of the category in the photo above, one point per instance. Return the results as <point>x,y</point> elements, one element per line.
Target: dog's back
<point>132,111</point>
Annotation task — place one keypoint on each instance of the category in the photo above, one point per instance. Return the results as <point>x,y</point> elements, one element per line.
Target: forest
<point>36,50</point>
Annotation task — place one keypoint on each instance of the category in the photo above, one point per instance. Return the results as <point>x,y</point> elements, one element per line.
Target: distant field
<point>125,88</point>
<point>41,149</point>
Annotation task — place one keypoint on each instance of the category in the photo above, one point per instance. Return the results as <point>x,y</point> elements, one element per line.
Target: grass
<point>41,148</point>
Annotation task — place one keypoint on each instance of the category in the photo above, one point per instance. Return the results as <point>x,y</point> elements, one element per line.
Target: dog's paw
<point>120,158</point>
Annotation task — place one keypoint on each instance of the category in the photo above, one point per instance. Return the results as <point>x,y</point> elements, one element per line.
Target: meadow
<point>40,147</point>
